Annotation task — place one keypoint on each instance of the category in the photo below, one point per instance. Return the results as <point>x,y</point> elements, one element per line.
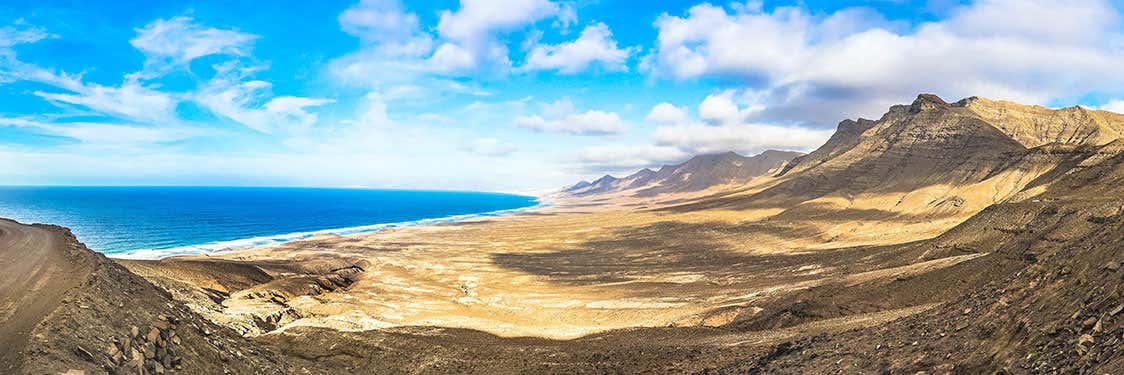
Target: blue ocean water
<point>151,222</point>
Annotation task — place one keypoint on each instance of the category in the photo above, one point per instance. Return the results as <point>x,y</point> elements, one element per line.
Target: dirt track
<point>35,273</point>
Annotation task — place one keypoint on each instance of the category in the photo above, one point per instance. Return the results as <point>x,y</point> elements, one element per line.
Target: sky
<point>500,95</point>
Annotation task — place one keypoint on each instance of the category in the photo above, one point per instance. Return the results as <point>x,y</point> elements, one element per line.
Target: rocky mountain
<point>698,173</point>
<point>932,156</point>
<point>1045,296</point>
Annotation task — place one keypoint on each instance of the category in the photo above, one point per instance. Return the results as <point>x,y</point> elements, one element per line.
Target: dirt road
<point>36,270</point>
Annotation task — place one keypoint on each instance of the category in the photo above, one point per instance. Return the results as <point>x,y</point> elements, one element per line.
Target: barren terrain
<point>894,247</point>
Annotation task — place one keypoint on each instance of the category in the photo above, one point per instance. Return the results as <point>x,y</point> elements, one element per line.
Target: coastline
<point>205,249</point>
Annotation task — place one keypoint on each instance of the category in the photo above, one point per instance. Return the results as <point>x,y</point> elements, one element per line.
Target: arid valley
<point>975,236</point>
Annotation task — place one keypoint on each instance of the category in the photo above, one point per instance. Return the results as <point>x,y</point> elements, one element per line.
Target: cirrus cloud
<point>168,43</point>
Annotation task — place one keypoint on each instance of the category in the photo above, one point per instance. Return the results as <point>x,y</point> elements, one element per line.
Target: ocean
<point>153,222</point>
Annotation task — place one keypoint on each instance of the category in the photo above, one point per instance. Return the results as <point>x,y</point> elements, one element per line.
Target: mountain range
<point>699,173</point>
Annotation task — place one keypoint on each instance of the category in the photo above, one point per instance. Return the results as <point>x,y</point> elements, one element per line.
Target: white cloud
<point>594,47</point>
<point>398,51</point>
<point>469,40</point>
<point>721,127</point>
<point>104,134</point>
<point>667,113</point>
<point>818,69</point>
<point>626,159</point>
<point>726,127</point>
<point>1114,106</point>
<point>12,35</point>
<point>238,101</point>
<point>746,139</point>
<point>380,21</point>
<point>179,40</point>
<point>561,117</point>
<point>450,57</point>
<point>131,101</point>
<point>470,32</point>
<point>1078,22</point>
<point>477,19</point>
<point>721,108</point>
<point>490,147</point>
<point>373,112</point>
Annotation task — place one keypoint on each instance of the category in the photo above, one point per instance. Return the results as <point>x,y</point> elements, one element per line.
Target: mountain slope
<point>1034,126</point>
<point>933,157</point>
<point>1049,299</point>
<point>698,173</point>
<point>68,308</point>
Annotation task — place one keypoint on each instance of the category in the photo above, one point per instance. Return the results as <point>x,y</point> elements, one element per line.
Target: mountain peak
<point>927,102</point>
<point>714,156</point>
<point>604,179</point>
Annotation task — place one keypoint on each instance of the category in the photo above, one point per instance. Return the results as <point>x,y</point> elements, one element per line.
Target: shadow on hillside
<point>649,253</point>
<point>869,176</point>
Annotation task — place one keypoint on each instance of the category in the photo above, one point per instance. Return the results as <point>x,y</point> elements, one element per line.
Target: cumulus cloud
<point>379,21</point>
<point>723,108</point>
<point>397,50</point>
<point>179,40</point>
<point>817,69</point>
<point>469,33</point>
<point>594,47</point>
<point>477,19</point>
<point>561,117</point>
<point>667,113</point>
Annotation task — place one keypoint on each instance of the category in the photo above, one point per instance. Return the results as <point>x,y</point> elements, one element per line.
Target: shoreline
<point>206,249</point>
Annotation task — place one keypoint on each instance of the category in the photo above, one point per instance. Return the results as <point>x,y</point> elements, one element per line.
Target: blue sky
<point>513,95</point>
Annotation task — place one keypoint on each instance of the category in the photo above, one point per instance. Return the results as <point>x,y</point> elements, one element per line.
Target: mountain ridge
<point>931,144</point>
<point>697,173</point>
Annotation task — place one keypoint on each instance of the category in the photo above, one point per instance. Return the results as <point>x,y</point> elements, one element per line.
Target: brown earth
<point>68,308</point>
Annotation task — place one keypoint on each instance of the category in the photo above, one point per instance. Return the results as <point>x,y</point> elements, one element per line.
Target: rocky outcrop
<point>244,297</point>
